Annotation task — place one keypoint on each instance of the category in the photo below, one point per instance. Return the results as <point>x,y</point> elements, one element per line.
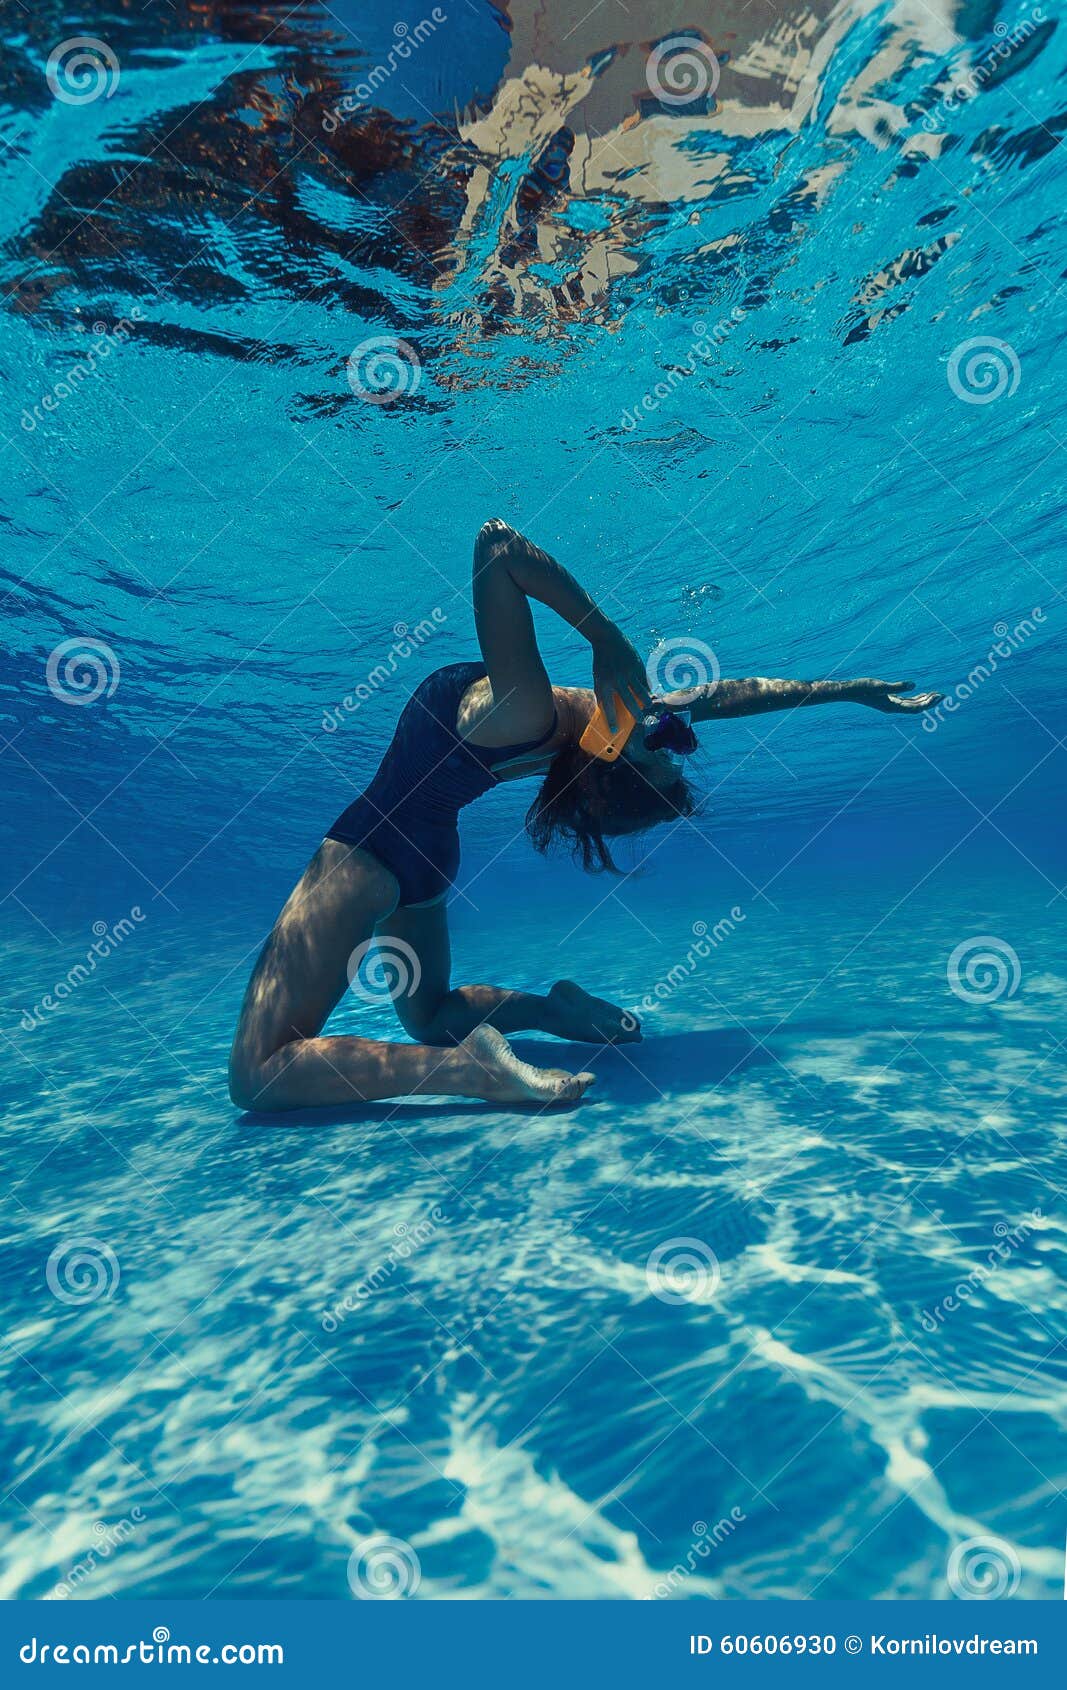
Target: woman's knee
<point>243,1085</point>
<point>493,537</point>
<point>245,1077</point>
<point>343,892</point>
<point>256,1083</point>
<point>423,1020</point>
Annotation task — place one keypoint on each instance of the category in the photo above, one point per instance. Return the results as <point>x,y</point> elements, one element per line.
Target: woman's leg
<point>278,1060</point>
<point>434,1011</point>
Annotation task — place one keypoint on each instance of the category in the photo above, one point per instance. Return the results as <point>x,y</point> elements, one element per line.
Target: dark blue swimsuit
<point>408,817</point>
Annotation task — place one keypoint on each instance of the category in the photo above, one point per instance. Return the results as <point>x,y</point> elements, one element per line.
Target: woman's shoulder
<point>576,704</point>
<point>492,722</point>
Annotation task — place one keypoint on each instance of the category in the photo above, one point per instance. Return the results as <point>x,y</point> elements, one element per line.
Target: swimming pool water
<point>780,1310</point>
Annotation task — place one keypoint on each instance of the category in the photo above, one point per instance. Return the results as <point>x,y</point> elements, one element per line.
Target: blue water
<point>239,1353</point>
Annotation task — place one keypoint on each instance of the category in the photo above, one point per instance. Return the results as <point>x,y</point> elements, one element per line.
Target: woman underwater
<point>384,869</point>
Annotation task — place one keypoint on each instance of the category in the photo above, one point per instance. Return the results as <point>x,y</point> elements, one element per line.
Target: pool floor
<point>779,1311</point>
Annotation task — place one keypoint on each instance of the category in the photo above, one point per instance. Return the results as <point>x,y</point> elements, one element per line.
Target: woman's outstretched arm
<point>509,571</point>
<point>758,694</point>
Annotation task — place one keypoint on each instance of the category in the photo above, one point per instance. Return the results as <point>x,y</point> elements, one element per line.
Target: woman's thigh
<point>415,949</point>
<point>302,971</point>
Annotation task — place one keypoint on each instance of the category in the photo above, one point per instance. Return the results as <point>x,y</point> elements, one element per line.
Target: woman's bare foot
<point>576,1014</point>
<point>498,1076</point>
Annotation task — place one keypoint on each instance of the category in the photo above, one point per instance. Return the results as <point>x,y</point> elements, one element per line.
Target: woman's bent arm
<point>503,551</point>
<point>509,570</point>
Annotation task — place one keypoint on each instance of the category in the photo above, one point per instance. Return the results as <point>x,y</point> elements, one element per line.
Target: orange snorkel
<point>598,739</point>
<point>670,732</point>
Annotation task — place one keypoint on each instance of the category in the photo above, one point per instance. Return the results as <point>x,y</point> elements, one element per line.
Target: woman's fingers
<point>638,694</point>
<point>620,689</point>
<point>921,701</point>
<point>606,700</point>
<point>632,700</point>
<point>619,676</point>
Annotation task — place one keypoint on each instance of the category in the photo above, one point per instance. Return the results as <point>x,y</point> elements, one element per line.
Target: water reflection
<point>510,165</point>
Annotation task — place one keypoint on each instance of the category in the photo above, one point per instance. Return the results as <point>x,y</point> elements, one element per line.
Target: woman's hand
<point>886,696</point>
<point>617,669</point>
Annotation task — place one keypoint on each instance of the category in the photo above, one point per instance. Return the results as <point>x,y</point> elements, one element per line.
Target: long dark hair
<point>584,801</point>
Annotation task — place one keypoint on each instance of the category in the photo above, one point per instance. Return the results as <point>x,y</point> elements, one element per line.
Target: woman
<point>384,869</point>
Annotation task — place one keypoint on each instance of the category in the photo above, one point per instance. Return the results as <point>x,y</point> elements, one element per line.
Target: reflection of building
<point>530,202</point>
<point>771,64</point>
<point>665,103</point>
